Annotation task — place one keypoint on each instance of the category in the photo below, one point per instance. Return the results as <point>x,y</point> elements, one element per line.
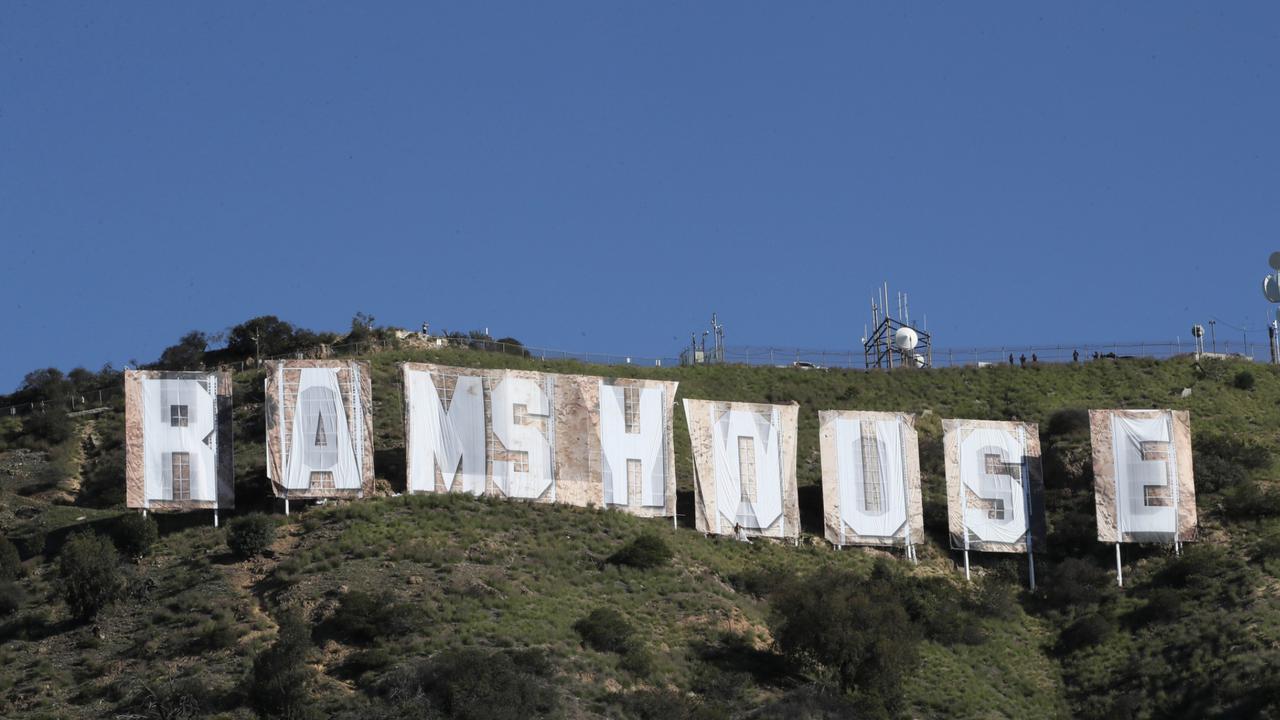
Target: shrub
<point>134,534</point>
<point>46,429</point>
<point>1244,380</point>
<point>648,550</point>
<point>1075,582</point>
<point>11,598</point>
<point>89,573</point>
<point>250,535</point>
<point>1249,499</point>
<point>10,562</point>
<point>605,629</point>
<point>472,684</point>
<point>174,698</point>
<point>852,626</point>
<point>364,617</point>
<point>281,679</point>
<point>1092,629</point>
<point>1233,449</point>
<point>1213,473</point>
<point>995,600</point>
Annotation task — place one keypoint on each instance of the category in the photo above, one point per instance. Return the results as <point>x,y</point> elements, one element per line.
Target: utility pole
<point>1213,336</point>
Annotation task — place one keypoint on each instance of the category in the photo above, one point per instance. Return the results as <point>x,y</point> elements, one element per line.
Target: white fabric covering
<point>452,440</point>
<point>321,440</point>
<point>160,439</point>
<point>1133,474</point>
<point>976,444</point>
<point>617,446</point>
<point>521,437</point>
<point>731,508</point>
<point>891,520</point>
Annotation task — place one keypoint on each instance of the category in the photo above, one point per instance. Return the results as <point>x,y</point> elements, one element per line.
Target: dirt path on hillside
<point>250,576</point>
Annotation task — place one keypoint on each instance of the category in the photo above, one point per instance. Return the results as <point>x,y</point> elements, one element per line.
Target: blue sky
<point>602,176</point>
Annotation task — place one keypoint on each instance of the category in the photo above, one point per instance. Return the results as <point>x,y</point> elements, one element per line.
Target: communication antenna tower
<point>894,341</point>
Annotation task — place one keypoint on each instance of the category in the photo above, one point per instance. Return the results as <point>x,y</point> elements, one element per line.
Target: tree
<point>261,337</point>
<point>89,573</point>
<point>281,679</point>
<point>188,354</point>
<point>853,627</point>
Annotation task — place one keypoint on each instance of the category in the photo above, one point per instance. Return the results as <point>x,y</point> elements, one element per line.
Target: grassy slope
<point>509,574</point>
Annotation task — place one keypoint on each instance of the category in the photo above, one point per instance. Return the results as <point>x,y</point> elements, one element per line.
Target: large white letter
<point>748,469</point>
<point>1145,485</point>
<point>451,440</point>
<point>631,431</point>
<point>873,483</point>
<point>992,470</point>
<point>516,402</point>
<point>321,452</point>
<point>180,439</point>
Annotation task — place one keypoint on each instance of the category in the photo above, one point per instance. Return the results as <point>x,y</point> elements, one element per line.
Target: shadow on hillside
<point>33,627</point>
<point>811,521</point>
<point>735,654</point>
<point>684,509</point>
<point>390,466</point>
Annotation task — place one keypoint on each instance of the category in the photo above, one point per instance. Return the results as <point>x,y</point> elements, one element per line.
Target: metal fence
<point>755,355</point>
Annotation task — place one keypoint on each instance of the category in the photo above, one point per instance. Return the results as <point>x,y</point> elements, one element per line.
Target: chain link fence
<point>755,355</point>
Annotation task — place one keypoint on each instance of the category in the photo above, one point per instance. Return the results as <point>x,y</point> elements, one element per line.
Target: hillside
<point>415,604</point>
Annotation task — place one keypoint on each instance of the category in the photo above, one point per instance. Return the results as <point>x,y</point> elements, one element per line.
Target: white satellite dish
<point>905,339</point>
<point>1274,261</point>
<point>1271,286</point>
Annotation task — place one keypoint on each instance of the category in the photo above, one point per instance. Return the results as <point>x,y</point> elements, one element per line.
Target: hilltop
<point>414,604</point>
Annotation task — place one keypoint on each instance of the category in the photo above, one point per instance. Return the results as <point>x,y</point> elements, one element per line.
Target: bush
<point>605,629</point>
<point>45,429</point>
<point>995,600</point>
<point>10,562</point>
<point>11,598</point>
<point>1214,473</point>
<point>281,680</point>
<point>250,535</point>
<point>648,550</point>
<point>173,698</point>
<point>1244,380</point>
<point>1249,499</point>
<point>1092,629</point>
<point>1075,582</point>
<point>854,627</point>
<point>89,573</point>
<point>134,534</point>
<point>472,684</point>
<point>364,617</point>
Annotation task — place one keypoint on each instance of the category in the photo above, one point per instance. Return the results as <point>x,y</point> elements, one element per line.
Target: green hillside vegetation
<point>453,606</point>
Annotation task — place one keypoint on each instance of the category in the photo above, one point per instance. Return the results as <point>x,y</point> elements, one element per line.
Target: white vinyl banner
<point>748,469</point>
<point>180,439</point>
<point>872,478</point>
<point>449,440</point>
<point>643,442</point>
<point>518,404</point>
<point>1146,476</point>
<point>321,443</point>
<point>992,471</point>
